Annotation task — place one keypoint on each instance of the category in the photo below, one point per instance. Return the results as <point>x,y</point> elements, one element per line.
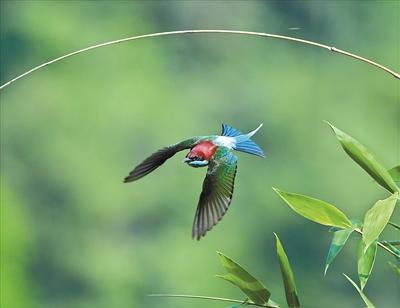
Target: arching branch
<point>260,34</point>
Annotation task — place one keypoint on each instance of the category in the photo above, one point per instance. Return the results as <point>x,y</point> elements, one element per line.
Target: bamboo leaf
<point>377,218</point>
<point>339,239</point>
<point>316,210</point>
<point>395,174</point>
<point>239,277</point>
<point>395,268</point>
<point>363,296</point>
<point>366,260</point>
<point>287,276</point>
<point>364,158</point>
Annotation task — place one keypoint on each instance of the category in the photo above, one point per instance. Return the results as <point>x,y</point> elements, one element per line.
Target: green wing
<point>217,192</point>
<point>158,158</point>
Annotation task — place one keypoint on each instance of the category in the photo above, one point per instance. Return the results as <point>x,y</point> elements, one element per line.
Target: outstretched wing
<point>156,159</point>
<point>217,192</point>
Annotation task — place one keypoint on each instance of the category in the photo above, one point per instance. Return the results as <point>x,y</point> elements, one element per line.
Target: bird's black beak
<point>186,160</point>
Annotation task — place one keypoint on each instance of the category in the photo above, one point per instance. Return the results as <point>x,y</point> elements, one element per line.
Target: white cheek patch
<point>224,141</point>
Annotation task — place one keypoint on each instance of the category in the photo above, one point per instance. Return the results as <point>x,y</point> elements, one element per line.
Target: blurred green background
<point>73,234</point>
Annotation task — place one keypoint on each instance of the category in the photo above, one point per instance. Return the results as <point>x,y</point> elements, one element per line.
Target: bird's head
<point>200,154</point>
<point>195,160</point>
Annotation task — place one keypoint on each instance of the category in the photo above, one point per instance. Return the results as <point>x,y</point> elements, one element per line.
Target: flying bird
<point>216,153</point>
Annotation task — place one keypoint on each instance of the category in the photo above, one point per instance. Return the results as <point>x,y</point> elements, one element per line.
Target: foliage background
<point>73,234</point>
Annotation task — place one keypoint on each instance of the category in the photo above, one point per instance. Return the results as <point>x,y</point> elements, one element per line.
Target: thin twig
<point>380,245</point>
<point>275,36</point>
<point>394,243</point>
<point>210,298</point>
<point>394,224</point>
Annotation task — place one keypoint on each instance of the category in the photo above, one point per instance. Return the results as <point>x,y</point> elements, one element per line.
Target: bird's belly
<point>224,141</point>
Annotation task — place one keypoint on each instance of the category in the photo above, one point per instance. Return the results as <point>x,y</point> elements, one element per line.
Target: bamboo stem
<point>210,298</point>
<point>394,243</point>
<point>261,34</point>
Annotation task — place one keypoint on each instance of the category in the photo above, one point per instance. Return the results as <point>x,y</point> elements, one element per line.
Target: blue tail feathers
<point>230,131</point>
<point>243,141</point>
<point>250,147</point>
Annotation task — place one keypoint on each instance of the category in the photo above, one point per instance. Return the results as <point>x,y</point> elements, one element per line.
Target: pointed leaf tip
<point>287,275</point>
<point>329,124</point>
<point>326,269</point>
<point>339,239</point>
<point>365,159</point>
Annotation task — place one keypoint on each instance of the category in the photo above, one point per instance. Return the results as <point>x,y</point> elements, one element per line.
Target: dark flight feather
<point>156,159</point>
<point>216,195</point>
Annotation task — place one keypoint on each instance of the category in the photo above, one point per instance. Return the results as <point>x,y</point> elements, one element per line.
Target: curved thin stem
<point>394,225</point>
<point>210,298</point>
<point>268,35</point>
<point>394,243</point>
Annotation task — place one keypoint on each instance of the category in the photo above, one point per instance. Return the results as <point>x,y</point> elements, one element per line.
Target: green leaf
<point>395,174</point>
<point>364,158</point>
<point>395,268</point>
<point>363,296</point>
<point>377,218</point>
<point>366,260</point>
<point>287,276</point>
<point>316,210</point>
<point>238,276</point>
<point>339,239</point>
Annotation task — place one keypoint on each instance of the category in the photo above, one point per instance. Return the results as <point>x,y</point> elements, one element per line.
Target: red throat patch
<point>204,150</point>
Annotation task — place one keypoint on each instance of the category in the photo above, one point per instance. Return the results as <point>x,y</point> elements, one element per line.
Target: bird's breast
<point>205,149</point>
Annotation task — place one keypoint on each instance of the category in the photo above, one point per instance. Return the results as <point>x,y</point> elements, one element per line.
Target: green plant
<point>375,219</point>
<point>257,294</point>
